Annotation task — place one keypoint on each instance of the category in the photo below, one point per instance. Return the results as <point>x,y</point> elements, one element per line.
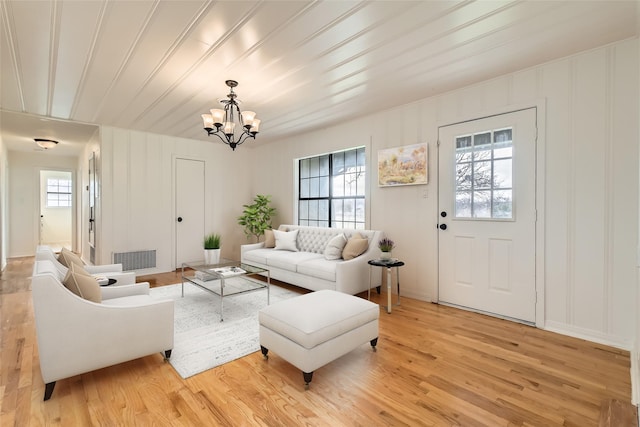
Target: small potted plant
<point>386,245</point>
<point>212,248</point>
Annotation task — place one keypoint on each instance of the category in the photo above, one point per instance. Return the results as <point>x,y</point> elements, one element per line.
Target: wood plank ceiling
<point>156,65</point>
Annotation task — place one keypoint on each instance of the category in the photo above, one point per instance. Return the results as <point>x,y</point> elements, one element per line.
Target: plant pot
<point>211,256</point>
<point>385,255</point>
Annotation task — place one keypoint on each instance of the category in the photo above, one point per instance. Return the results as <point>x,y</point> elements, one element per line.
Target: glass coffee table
<point>225,279</point>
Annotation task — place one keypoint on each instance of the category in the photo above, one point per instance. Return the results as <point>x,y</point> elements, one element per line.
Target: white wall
<point>23,215</point>
<point>590,143</point>
<point>635,354</point>
<point>137,210</point>
<point>4,195</point>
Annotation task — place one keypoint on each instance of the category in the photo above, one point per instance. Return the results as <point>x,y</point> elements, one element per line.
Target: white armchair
<point>112,271</point>
<point>77,336</point>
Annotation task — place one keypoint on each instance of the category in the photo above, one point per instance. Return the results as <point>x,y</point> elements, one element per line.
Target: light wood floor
<point>435,365</point>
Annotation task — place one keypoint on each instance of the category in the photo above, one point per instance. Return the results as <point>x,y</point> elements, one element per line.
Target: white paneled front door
<point>487,214</point>
<point>189,197</point>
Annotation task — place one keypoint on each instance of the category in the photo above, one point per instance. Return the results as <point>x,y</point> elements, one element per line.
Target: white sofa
<point>77,336</point>
<point>111,271</point>
<point>308,267</point>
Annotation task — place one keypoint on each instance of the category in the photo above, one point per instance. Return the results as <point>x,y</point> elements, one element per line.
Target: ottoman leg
<point>374,342</point>
<point>264,352</point>
<point>307,379</point>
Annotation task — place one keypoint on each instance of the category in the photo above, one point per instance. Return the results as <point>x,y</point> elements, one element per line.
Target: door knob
<point>443,226</point>
<point>179,219</point>
<point>443,214</point>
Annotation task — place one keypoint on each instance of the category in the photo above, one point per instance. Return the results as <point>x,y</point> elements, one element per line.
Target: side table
<point>388,264</point>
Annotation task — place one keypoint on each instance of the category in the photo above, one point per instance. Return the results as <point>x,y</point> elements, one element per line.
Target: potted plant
<point>212,248</point>
<point>386,245</point>
<point>256,217</point>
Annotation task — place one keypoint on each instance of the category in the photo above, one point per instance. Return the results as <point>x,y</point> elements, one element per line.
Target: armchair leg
<point>167,354</point>
<point>307,379</point>
<point>48,390</point>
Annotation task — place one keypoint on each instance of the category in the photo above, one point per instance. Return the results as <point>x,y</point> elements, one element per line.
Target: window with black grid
<point>332,190</point>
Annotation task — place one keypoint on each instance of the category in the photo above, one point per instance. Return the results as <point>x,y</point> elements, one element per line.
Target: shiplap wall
<point>4,191</point>
<point>590,170</point>
<point>137,203</point>
<point>635,355</point>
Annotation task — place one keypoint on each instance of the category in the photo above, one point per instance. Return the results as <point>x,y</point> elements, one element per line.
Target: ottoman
<point>314,329</point>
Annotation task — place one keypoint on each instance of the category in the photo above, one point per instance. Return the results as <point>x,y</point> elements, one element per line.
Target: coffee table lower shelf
<point>225,285</point>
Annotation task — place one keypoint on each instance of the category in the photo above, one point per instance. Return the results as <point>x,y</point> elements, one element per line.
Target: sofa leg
<point>307,379</point>
<point>167,354</point>
<point>378,289</point>
<point>48,390</point>
<point>374,343</point>
<point>264,352</point>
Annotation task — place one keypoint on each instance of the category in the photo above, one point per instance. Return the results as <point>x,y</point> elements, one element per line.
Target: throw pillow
<point>355,247</point>
<point>84,286</point>
<point>79,269</point>
<point>335,246</point>
<point>269,239</point>
<point>67,258</point>
<point>286,240</point>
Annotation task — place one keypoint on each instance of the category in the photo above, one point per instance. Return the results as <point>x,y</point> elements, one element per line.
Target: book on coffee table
<point>223,271</point>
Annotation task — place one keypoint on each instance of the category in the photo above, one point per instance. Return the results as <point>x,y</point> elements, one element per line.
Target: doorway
<point>487,215</point>
<point>189,209</point>
<point>56,209</point>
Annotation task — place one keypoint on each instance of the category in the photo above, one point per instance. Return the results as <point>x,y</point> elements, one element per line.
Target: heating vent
<point>135,260</point>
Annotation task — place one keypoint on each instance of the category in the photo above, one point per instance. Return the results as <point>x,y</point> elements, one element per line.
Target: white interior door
<point>486,200</point>
<point>189,210</point>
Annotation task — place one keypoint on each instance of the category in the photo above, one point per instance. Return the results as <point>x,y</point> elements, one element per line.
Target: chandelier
<point>222,122</point>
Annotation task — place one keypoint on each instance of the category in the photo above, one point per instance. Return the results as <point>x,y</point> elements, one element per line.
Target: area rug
<point>201,340</point>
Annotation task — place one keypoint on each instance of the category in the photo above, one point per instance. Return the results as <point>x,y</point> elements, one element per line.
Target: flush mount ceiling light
<point>45,143</point>
<point>224,120</point>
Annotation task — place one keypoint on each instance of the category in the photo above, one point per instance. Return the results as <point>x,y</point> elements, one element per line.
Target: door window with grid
<point>58,192</point>
<point>484,175</point>
<point>332,190</point>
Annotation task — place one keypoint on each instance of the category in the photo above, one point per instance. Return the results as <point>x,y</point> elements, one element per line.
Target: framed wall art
<point>406,165</point>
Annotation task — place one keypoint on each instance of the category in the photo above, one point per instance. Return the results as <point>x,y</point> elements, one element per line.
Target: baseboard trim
<point>589,335</point>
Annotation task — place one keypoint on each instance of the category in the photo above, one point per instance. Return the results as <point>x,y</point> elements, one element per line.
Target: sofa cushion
<point>335,246</point>
<point>258,256</point>
<point>315,239</point>
<point>289,260</point>
<point>355,247</point>
<point>286,240</point>
<point>319,267</point>
<point>84,286</point>
<point>269,239</point>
